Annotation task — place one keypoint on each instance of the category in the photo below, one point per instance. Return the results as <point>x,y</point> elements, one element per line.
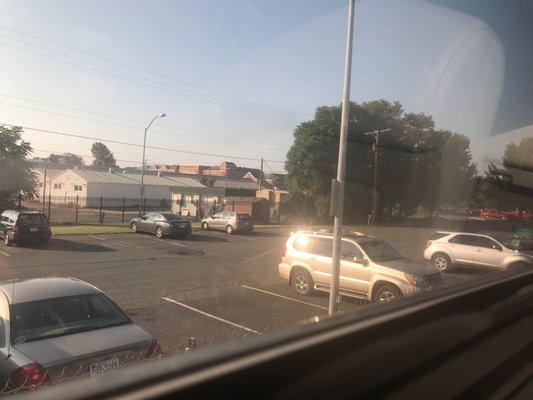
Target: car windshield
<point>378,250</point>
<point>47,318</point>
<point>224,170</point>
<point>32,219</point>
<point>511,243</point>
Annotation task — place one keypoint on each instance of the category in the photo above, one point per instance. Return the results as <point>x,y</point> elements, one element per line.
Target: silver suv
<point>229,221</point>
<point>370,268</point>
<point>445,249</point>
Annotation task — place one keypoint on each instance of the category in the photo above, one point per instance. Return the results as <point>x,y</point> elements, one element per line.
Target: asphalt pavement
<point>211,286</point>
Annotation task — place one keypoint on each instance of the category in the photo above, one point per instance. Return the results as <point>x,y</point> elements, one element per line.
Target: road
<point>211,286</point>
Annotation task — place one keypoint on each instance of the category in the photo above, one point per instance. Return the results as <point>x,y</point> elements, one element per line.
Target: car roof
<point>352,235</point>
<point>44,288</point>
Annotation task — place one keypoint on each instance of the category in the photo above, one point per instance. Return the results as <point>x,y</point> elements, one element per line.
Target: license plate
<point>182,226</point>
<point>102,367</point>
<point>246,223</point>
<point>34,229</point>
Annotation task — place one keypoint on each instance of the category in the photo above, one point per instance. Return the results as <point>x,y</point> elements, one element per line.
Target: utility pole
<point>375,149</point>
<point>44,182</point>
<point>261,175</point>
<point>337,187</point>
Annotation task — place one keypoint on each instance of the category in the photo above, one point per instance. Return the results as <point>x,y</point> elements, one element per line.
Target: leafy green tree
<point>103,157</point>
<point>66,160</point>
<point>16,175</point>
<point>418,166</point>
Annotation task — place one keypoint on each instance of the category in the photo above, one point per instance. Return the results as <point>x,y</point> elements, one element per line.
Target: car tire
<point>159,232</point>
<point>134,227</point>
<point>7,240</point>
<point>205,226</point>
<point>229,229</point>
<point>302,282</point>
<point>386,293</point>
<point>442,262</point>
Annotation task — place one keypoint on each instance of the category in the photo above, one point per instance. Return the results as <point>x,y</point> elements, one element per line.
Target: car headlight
<point>415,280</point>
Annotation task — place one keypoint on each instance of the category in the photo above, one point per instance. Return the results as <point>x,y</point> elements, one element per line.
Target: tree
<point>66,160</point>
<point>16,175</point>
<point>103,157</point>
<point>418,165</point>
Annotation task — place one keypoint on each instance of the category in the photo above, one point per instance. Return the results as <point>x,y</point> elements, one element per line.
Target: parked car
<point>370,268</point>
<point>54,329</point>
<point>229,221</point>
<point>24,227</point>
<point>492,213</point>
<point>162,224</point>
<point>446,249</point>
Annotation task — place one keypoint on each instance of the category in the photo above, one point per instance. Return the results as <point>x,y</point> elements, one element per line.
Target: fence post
<point>123,207</point>
<point>49,208</point>
<point>20,198</point>
<point>77,198</point>
<point>144,206</point>
<point>100,212</point>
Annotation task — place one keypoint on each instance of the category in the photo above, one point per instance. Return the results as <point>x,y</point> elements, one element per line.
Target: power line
<point>136,121</point>
<point>85,156</point>
<point>129,143</point>
<point>176,90</point>
<point>126,126</point>
<point>147,71</point>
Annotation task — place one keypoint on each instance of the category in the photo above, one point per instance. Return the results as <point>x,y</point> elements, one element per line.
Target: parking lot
<point>210,285</point>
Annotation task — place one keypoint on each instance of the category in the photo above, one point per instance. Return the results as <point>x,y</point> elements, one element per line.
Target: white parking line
<point>110,241</point>
<point>258,256</point>
<point>211,315</point>
<point>281,296</point>
<point>167,242</point>
<point>5,254</point>
<point>247,238</point>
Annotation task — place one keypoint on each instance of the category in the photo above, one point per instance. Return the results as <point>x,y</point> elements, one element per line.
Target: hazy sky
<point>234,77</point>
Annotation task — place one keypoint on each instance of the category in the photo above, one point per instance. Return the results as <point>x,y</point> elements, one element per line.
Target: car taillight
<point>29,377</point>
<point>237,219</point>
<point>283,249</point>
<point>15,229</point>
<point>154,350</point>
<point>428,243</point>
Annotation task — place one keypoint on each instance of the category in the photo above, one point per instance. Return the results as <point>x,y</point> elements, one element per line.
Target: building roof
<point>235,184</point>
<point>50,172</point>
<point>135,179</point>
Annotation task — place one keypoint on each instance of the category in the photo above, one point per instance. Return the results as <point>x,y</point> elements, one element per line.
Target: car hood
<point>409,266</point>
<point>62,349</point>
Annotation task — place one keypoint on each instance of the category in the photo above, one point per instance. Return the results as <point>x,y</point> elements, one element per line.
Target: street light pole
<point>141,188</point>
<point>337,195</point>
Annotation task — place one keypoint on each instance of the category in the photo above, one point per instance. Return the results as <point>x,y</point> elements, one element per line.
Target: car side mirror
<point>361,260</point>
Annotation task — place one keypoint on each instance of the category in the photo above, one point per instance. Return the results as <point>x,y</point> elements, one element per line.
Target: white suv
<point>370,268</point>
<point>445,249</point>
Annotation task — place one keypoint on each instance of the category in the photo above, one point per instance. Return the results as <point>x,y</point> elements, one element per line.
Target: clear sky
<point>234,77</point>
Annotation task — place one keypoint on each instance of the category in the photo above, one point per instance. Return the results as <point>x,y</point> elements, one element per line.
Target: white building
<point>89,186</point>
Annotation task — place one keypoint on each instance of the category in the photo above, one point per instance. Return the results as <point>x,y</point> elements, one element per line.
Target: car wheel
<point>229,229</point>
<point>205,226</point>
<point>387,293</point>
<point>7,240</point>
<point>442,262</point>
<point>302,282</point>
<point>159,232</point>
<point>134,227</point>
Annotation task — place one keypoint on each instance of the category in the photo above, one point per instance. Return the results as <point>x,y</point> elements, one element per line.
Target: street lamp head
<point>162,115</point>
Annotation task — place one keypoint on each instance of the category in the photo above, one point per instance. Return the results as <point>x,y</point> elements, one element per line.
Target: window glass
<point>32,219</point>
<point>38,320</point>
<point>462,239</point>
<point>217,215</point>
<point>303,243</point>
<point>484,242</point>
<point>349,251</point>
<point>323,247</point>
<point>380,251</point>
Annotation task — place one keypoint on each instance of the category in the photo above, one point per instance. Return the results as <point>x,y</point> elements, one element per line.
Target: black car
<point>162,224</point>
<point>24,226</point>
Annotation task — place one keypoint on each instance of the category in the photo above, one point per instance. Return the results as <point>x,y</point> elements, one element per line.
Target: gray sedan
<point>162,224</point>
<point>56,329</point>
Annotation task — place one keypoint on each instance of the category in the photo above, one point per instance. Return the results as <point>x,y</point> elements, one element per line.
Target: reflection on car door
<point>148,223</point>
<point>487,252</point>
<point>354,276</point>
<point>320,259</point>
<point>462,249</point>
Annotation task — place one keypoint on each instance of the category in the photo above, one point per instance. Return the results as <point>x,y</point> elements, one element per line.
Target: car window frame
<point>356,246</point>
